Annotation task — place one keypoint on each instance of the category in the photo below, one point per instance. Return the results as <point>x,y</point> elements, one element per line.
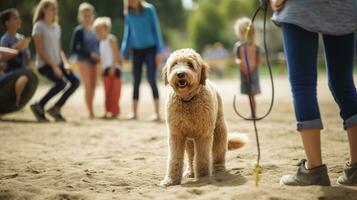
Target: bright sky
<point>187,4</point>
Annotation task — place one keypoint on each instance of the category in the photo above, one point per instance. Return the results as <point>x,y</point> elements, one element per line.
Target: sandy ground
<point>119,159</point>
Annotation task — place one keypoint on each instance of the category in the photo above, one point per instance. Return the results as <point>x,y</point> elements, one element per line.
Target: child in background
<point>109,56</point>
<point>85,45</point>
<point>11,21</point>
<point>51,61</point>
<point>247,55</point>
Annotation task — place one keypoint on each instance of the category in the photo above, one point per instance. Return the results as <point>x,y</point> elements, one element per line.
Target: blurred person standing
<point>85,45</point>
<point>110,62</point>
<point>248,57</point>
<point>142,33</point>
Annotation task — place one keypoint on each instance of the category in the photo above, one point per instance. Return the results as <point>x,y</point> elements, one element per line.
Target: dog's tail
<point>236,140</point>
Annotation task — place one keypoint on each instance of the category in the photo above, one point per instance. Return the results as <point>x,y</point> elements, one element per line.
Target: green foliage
<point>232,9</point>
<point>27,7</point>
<point>172,19</point>
<point>67,15</point>
<point>171,14</point>
<point>205,25</point>
<point>213,21</point>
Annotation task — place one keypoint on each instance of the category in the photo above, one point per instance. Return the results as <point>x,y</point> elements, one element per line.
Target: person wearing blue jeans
<point>142,33</point>
<point>140,56</point>
<point>301,22</point>
<point>59,85</point>
<point>51,60</point>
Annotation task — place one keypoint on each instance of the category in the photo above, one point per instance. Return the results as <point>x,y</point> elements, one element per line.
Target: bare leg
<point>203,152</point>
<point>352,138</point>
<point>156,116</point>
<point>134,114</point>
<point>190,151</point>
<point>312,146</point>
<point>93,73</point>
<point>349,172</point>
<point>175,160</point>
<point>85,75</point>
<point>19,87</point>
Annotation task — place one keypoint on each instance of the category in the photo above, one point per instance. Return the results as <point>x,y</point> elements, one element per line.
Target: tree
<point>232,9</point>
<point>206,25</point>
<point>171,15</point>
<point>213,20</point>
<point>25,9</point>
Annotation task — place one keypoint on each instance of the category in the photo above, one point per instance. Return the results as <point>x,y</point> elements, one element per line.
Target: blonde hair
<point>127,8</point>
<point>82,8</point>
<point>39,11</point>
<point>103,21</point>
<point>244,29</point>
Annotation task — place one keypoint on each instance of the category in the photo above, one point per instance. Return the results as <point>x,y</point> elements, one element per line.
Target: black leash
<point>263,7</point>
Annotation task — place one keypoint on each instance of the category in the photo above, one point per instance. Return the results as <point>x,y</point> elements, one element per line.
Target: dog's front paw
<point>189,174</point>
<point>169,182</point>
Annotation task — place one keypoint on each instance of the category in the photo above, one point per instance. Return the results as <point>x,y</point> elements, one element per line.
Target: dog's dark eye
<point>174,63</point>
<point>189,64</point>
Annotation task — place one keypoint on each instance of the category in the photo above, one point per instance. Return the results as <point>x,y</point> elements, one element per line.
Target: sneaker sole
<point>39,118</point>
<point>55,117</point>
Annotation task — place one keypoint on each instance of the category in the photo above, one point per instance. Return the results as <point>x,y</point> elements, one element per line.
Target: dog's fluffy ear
<point>164,75</point>
<point>204,73</point>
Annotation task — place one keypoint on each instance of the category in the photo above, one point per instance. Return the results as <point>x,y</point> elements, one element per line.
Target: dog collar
<point>189,100</point>
<point>199,90</point>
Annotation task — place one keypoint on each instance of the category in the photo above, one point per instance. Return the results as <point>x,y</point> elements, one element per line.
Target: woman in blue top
<point>85,45</point>
<point>142,33</point>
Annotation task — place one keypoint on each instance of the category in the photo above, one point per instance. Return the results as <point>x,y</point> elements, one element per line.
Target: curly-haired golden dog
<point>194,118</point>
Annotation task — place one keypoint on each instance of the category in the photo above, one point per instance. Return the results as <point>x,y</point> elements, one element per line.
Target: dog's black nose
<point>180,74</point>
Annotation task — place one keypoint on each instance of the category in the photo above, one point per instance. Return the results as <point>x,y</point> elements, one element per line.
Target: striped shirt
<point>332,17</point>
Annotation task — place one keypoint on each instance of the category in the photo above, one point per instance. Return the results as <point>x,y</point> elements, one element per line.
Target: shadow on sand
<point>22,121</point>
<point>218,179</point>
<point>339,192</point>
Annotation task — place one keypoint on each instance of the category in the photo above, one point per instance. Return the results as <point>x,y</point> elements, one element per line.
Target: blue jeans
<point>140,56</point>
<point>59,85</point>
<point>301,47</point>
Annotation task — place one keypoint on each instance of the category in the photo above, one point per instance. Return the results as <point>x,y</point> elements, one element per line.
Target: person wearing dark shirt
<point>85,45</point>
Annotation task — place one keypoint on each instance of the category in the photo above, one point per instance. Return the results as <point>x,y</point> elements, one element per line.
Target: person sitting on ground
<point>18,83</point>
